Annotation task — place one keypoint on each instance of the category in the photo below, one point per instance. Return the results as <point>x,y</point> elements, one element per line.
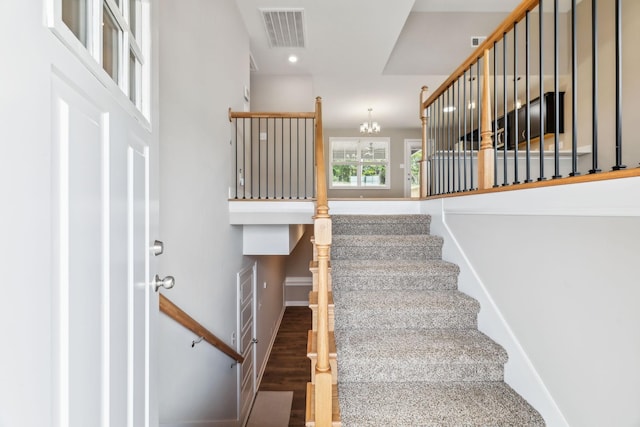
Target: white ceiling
<point>374,53</point>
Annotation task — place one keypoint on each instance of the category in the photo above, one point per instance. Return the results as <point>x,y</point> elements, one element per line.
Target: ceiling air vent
<point>285,27</point>
<point>477,40</point>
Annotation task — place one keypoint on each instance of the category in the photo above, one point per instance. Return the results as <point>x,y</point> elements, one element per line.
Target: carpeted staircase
<point>408,348</point>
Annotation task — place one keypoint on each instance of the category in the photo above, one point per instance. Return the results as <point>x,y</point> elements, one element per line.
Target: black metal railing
<point>273,155</point>
<point>574,82</point>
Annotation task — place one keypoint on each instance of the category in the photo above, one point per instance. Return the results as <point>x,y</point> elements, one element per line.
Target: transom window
<point>110,36</point>
<point>359,163</point>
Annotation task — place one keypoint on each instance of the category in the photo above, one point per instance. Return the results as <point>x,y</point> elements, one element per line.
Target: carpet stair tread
<point>427,404</point>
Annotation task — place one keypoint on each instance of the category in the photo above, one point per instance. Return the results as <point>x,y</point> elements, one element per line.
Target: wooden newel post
<point>486,154</point>
<point>424,160</point>
<point>322,238</point>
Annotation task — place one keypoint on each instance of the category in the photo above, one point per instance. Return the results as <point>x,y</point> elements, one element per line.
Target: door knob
<point>167,282</point>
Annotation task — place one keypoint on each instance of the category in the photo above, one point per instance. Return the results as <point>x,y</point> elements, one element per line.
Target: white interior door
<point>246,344</point>
<point>412,157</point>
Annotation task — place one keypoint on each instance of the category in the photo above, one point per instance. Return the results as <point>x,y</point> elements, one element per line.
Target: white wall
<point>556,272</point>
<point>204,67</point>
<point>282,93</point>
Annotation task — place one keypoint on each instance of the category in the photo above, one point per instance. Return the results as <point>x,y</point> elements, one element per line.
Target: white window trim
<point>359,164</point>
<point>91,55</point>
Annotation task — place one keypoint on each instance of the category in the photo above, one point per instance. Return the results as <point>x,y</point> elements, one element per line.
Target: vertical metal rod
<point>259,158</point>
<point>528,85</point>
<point>290,157</point>
<point>305,157</point>
<point>313,159</point>
<point>479,109</point>
<point>543,103</point>
<point>449,106</point>
<point>267,160</point>
<point>574,91</point>
<point>495,114</point>
<point>297,158</point>
<point>505,100</point>
<point>516,134</point>
<point>556,95</point>
<point>458,188</point>
<point>618,164</point>
<point>594,86</point>
<point>440,138</point>
<point>244,158</point>
<point>471,99</point>
<point>235,149</point>
<point>464,143</point>
<point>282,158</point>
<point>251,154</point>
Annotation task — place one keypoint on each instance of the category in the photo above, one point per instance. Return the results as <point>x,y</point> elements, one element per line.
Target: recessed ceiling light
<point>449,109</point>
<point>293,59</point>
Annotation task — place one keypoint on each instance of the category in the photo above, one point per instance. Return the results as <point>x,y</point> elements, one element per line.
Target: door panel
<point>246,347</point>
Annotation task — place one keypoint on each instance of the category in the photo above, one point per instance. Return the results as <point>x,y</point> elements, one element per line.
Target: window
<point>359,163</point>
<point>110,37</point>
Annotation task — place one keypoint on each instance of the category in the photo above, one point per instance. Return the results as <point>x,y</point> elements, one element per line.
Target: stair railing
<point>523,127</point>
<point>180,316</point>
<point>273,155</point>
<point>322,243</point>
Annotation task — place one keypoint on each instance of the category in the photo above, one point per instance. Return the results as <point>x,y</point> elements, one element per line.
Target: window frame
<point>361,142</point>
<point>91,55</point>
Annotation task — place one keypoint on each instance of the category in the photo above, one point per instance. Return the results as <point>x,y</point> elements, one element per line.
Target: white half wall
<point>555,272</point>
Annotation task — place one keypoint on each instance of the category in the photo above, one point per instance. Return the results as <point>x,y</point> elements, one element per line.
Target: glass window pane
<point>74,15</point>
<point>133,78</point>
<point>110,45</point>
<point>345,151</point>
<point>374,175</point>
<point>374,151</point>
<point>345,176</point>
<point>133,16</point>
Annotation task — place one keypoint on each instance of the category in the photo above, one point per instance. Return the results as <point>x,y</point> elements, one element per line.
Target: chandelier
<point>370,126</point>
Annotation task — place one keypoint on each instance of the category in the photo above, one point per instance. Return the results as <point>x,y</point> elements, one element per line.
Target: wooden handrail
<point>269,115</point>
<point>506,25</point>
<point>322,241</point>
<point>177,314</point>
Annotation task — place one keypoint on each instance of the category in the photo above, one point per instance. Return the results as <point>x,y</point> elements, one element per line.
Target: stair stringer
<point>519,372</point>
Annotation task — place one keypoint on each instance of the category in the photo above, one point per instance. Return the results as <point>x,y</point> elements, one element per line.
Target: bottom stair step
<point>440,404</point>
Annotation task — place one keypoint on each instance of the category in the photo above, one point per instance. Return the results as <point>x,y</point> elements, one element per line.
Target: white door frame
<point>253,268</point>
<point>408,145</point>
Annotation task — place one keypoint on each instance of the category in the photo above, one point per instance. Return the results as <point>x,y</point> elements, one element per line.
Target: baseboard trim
<point>268,353</point>
<point>296,303</point>
<point>223,423</point>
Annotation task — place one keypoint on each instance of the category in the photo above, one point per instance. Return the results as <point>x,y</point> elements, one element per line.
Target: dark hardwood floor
<point>288,367</point>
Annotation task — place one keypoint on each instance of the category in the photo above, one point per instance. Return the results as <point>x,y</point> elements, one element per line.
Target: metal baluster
<point>282,158</point>
<point>618,165</point>
<point>543,102</point>
<point>594,86</point>
<point>528,85</point>
<point>259,158</point>
<point>297,158</point>
<point>515,103</point>
<point>495,114</point>
<point>479,108</point>
<point>449,139</point>
<point>471,127</point>
<point>505,100</point>
<point>556,95</point>
<point>290,157</point>
<point>235,148</point>
<point>574,92</point>
<point>458,139</point>
<point>464,143</point>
